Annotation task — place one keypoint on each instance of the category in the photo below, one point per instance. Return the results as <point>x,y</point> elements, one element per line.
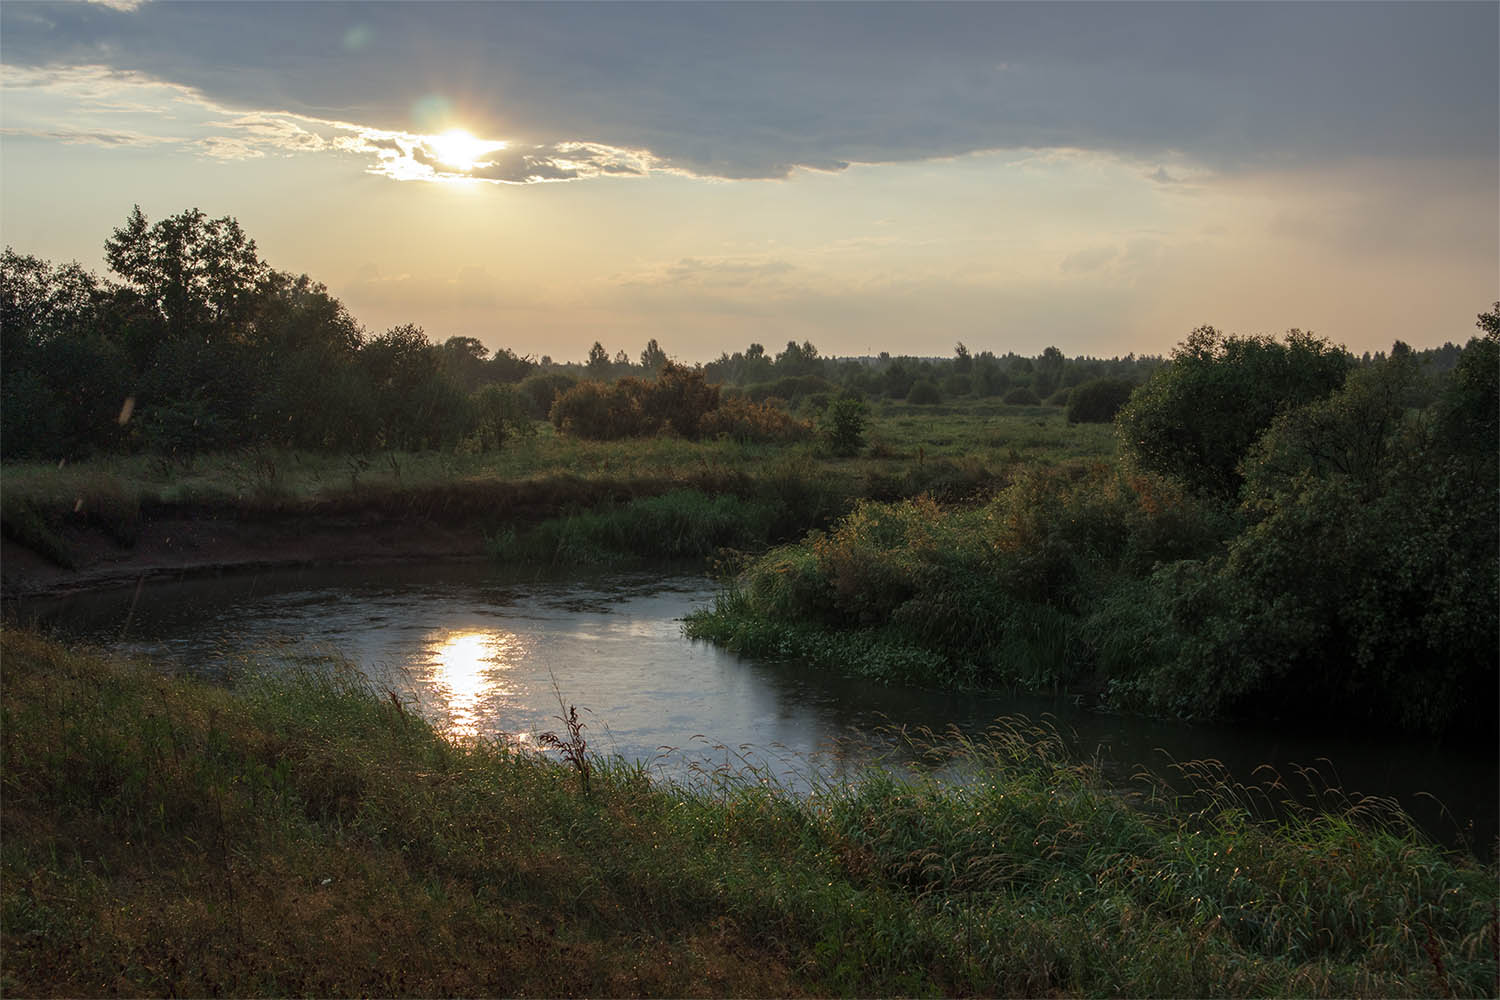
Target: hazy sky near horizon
<point>899,177</point>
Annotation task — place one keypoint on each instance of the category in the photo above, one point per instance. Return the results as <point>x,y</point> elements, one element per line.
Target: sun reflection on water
<point>468,669</point>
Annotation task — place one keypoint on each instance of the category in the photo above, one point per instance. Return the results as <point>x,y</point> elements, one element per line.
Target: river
<point>489,653</point>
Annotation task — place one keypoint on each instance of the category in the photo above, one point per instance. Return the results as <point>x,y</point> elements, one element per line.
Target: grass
<point>972,442</point>
<point>302,833</point>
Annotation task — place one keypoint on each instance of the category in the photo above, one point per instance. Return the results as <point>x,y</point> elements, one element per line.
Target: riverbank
<point>304,834</point>
<point>107,521</point>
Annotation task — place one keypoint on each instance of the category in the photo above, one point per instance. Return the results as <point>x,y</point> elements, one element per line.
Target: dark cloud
<point>754,90</point>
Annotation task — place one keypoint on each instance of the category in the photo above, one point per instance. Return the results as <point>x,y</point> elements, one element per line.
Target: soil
<point>206,545</point>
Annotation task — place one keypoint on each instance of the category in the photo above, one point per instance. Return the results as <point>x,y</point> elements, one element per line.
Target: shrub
<point>500,415</point>
<point>1060,397</point>
<point>1198,415</point>
<point>1097,401</point>
<point>740,420</point>
<point>541,390</point>
<point>958,385</point>
<point>677,401</point>
<point>844,424</point>
<point>599,411</point>
<point>924,392</point>
<point>1021,397</point>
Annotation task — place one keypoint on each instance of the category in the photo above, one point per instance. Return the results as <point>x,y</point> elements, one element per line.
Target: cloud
<point>1085,261</point>
<point>96,137</point>
<point>756,91</point>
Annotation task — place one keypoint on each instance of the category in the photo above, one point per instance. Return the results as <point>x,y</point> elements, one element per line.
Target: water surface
<point>489,653</point>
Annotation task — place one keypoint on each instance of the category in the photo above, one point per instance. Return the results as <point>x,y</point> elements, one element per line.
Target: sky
<point>884,177</point>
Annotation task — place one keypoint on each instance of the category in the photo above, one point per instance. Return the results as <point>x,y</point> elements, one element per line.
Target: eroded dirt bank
<point>208,545</point>
<point>451,521</point>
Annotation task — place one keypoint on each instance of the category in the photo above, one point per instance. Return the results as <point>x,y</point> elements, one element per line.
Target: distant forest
<point>196,344</point>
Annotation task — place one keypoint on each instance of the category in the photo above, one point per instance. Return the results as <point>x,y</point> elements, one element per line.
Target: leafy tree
<point>598,361</point>
<point>1196,417</point>
<point>507,367</point>
<point>799,359</point>
<point>464,361</point>
<point>542,389</point>
<point>844,424</point>
<point>963,363</point>
<point>500,415</point>
<point>1097,401</point>
<point>653,358</point>
<point>416,406</point>
<point>678,399</point>
<point>1048,372</point>
<point>199,275</point>
<point>924,392</point>
<point>1365,584</point>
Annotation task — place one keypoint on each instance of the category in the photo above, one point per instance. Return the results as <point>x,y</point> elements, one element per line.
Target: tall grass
<point>303,833</point>
<point>1002,593</point>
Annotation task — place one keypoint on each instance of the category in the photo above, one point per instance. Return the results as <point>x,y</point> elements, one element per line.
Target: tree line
<point>196,344</point>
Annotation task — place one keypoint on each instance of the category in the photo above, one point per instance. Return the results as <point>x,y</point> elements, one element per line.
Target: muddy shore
<point>181,547</point>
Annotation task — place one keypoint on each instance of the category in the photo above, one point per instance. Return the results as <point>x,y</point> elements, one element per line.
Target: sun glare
<point>460,149</point>
<point>467,666</point>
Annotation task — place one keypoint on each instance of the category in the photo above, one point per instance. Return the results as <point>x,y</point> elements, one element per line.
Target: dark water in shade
<point>483,652</point>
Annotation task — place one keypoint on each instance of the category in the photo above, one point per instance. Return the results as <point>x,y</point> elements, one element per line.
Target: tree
<point>598,361</point>
<point>963,364</point>
<point>844,424</point>
<point>199,275</point>
<point>1197,416</point>
<point>653,358</point>
<point>464,360</point>
<point>1097,401</point>
<point>1049,369</point>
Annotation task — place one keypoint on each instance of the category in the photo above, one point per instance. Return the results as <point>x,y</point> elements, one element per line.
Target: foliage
<point>924,392</point>
<point>1364,585</point>
<point>738,419</point>
<point>542,389</point>
<point>990,595</point>
<point>1098,400</point>
<point>1022,397</point>
<point>1197,417</point>
<point>677,400</point>
<point>844,424</point>
<point>500,415</point>
<point>681,524</point>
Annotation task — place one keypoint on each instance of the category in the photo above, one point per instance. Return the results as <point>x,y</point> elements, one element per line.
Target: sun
<point>458,148</point>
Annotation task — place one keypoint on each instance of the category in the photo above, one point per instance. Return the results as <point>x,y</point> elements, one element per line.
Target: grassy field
<point>954,453</point>
<point>305,834</point>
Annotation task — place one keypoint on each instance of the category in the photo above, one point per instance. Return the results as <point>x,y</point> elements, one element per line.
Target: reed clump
<point>304,833</point>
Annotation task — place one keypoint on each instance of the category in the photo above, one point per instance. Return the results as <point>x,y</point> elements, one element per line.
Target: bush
<point>1060,397</point>
<point>1364,588</point>
<point>958,385</point>
<point>792,388</point>
<point>924,392</point>
<point>541,390</point>
<point>677,400</point>
<point>1097,401</point>
<point>740,420</point>
<point>600,411</point>
<point>1198,415</point>
<point>1021,397</point>
<point>500,415</point>
<point>844,424</point>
